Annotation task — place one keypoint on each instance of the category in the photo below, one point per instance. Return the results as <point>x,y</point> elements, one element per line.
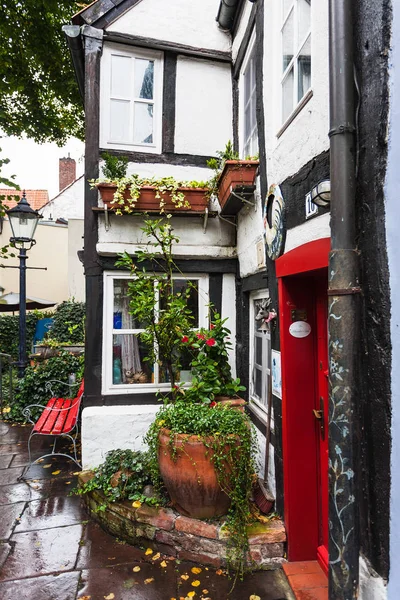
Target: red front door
<point>321,416</point>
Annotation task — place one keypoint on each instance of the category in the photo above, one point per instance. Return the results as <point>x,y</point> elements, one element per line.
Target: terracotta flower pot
<point>235,173</point>
<point>191,480</point>
<point>147,201</point>
<point>236,403</point>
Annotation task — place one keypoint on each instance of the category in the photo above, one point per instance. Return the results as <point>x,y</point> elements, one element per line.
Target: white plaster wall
<point>250,230</point>
<point>261,443</point>
<point>314,229</point>
<point>241,30</point>
<point>179,172</point>
<point>372,587</point>
<point>181,21</point>
<point>203,106</point>
<point>76,277</point>
<point>125,234</point>
<point>68,204</point>
<point>106,428</point>
<point>393,250</point>
<point>228,311</point>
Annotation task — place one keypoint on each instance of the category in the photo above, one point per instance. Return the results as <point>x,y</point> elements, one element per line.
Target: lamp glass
<point>321,193</point>
<point>23,225</point>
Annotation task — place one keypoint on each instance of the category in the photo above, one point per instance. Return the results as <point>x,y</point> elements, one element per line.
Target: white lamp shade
<point>321,193</point>
<point>23,221</point>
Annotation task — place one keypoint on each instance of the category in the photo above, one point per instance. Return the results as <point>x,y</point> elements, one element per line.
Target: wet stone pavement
<point>50,550</point>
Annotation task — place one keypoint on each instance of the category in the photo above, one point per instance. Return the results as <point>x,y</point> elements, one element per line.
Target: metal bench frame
<point>68,434</point>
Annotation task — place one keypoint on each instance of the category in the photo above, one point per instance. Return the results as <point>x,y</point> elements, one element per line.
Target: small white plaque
<point>300,329</point>
<point>311,208</point>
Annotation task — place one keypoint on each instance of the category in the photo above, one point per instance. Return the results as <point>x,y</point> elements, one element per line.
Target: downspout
<point>343,313</point>
<point>75,45</point>
<point>226,13</point>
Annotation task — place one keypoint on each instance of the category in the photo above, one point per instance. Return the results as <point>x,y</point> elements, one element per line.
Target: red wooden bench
<point>59,418</point>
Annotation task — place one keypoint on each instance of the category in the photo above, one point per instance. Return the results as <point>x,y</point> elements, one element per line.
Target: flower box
<point>197,197</point>
<point>235,173</point>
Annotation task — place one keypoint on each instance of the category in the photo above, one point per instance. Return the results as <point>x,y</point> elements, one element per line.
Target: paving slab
<point>42,552</point>
<point>150,583</point>
<point>56,511</point>
<point>11,475</point>
<point>5,460</point>
<point>98,549</point>
<point>18,492</point>
<point>5,549</point>
<point>9,514</point>
<point>52,587</point>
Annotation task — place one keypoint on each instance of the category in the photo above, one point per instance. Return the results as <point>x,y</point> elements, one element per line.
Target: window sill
<point>259,412</point>
<point>294,114</point>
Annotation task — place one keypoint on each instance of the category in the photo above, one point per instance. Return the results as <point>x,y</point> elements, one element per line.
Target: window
<point>296,53</point>
<point>248,91</point>
<point>260,349</point>
<point>131,99</point>
<point>124,367</point>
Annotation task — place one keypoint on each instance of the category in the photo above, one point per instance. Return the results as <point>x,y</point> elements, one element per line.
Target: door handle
<point>319,415</point>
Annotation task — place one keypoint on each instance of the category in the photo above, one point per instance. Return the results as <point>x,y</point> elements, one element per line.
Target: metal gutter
<point>343,313</point>
<point>75,44</point>
<point>226,13</point>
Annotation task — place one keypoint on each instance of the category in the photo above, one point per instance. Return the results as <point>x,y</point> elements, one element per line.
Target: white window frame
<point>243,71</point>
<point>105,100</point>
<point>298,46</point>
<point>108,388</point>
<point>258,408</point>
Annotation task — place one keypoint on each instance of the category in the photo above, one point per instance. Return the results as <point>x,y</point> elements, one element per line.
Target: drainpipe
<point>74,40</point>
<point>226,13</point>
<point>343,328</point>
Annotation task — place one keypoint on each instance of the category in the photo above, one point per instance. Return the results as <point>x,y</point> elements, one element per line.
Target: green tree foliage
<point>38,93</point>
<point>9,331</point>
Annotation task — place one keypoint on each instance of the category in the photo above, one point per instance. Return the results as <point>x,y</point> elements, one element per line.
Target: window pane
<point>287,95</point>
<point>128,364</point>
<point>119,120</point>
<point>144,78</point>
<point>143,127</point>
<point>288,41</point>
<point>179,287</point>
<point>122,318</point>
<point>304,19</point>
<point>120,76</point>
<point>304,69</point>
<point>258,382</point>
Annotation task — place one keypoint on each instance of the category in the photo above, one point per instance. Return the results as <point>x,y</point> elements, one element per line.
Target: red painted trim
<point>323,559</point>
<point>308,257</point>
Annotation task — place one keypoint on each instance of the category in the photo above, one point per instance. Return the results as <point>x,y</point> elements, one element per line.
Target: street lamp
<point>23,222</point>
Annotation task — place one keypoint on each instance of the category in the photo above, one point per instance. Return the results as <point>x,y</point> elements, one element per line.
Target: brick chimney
<point>66,172</point>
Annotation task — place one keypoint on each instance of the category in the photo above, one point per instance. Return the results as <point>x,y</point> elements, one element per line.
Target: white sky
<point>36,165</point>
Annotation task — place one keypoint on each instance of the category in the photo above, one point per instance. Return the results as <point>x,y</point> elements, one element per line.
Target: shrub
<point>69,322</point>
<point>32,387</point>
<point>9,331</point>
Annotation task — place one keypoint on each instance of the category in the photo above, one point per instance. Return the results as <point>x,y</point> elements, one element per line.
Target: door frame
<point>298,442</point>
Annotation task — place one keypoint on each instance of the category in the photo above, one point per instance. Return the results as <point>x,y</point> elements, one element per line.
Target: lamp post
<point>23,222</point>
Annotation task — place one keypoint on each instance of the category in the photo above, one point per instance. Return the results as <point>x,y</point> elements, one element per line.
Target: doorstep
<point>307,580</point>
<point>168,532</point>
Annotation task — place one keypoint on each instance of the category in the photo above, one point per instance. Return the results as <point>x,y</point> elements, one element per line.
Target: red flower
<point>185,339</point>
<point>212,404</point>
<point>200,336</point>
<point>210,342</point>
<point>212,326</point>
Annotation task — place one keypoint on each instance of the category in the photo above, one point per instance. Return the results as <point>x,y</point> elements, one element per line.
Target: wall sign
<point>300,329</point>
<point>311,208</point>
<point>274,222</point>
<point>276,373</point>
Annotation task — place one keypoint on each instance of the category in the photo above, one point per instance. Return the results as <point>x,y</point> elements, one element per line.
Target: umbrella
<point>10,302</point>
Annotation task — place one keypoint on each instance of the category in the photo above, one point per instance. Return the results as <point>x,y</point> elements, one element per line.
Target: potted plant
<point>230,173</point>
<point>202,450</point>
<point>126,194</point>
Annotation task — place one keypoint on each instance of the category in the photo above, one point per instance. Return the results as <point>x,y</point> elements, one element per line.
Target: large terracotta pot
<point>235,173</point>
<point>236,403</point>
<point>147,201</point>
<point>190,479</point>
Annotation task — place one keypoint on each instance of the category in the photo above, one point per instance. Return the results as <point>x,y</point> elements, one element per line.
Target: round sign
<point>300,329</point>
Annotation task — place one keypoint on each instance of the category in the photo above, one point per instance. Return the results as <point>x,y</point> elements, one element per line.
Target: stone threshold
<point>184,538</point>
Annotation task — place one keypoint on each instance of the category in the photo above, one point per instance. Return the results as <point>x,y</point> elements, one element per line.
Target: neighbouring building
<point>276,78</point>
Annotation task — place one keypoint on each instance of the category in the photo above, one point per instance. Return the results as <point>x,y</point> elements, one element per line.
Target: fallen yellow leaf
<point>196,570</point>
<point>149,551</point>
<point>7,409</point>
<point>136,504</point>
<point>254,597</point>
<point>163,564</point>
<point>136,569</point>
<point>219,572</point>
<point>47,466</point>
<point>184,577</point>
<point>84,597</point>
<point>156,556</point>
<point>150,580</point>
<point>76,473</point>
<point>56,472</point>
<point>191,594</point>
<point>109,597</point>
<point>204,591</point>
<point>40,460</point>
<point>67,482</point>
<point>196,583</point>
